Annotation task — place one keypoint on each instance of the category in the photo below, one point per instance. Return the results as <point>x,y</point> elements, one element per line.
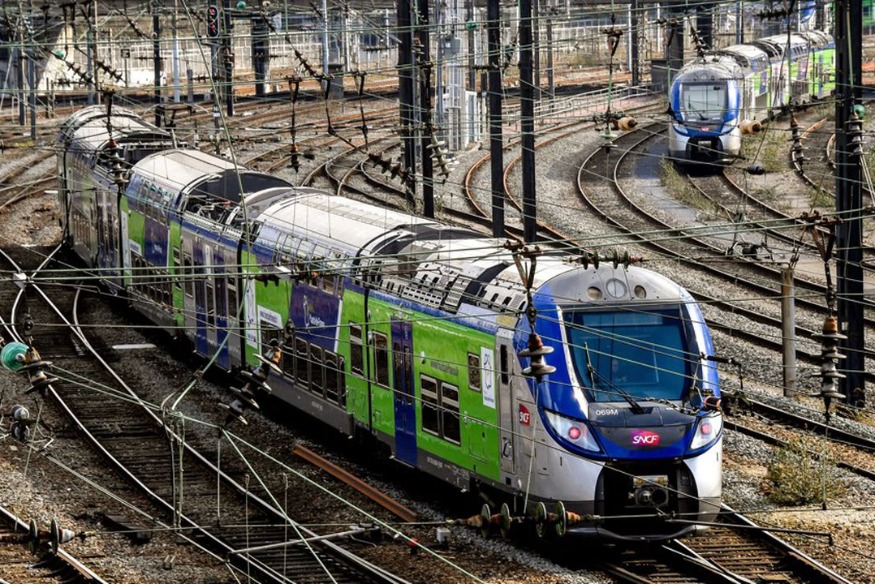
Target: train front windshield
<point>703,102</point>
<point>646,354</point>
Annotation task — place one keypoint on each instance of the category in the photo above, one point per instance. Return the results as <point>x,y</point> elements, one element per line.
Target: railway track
<point>724,555</point>
<point>30,552</point>
<point>173,468</point>
<point>30,555</point>
<point>614,204</point>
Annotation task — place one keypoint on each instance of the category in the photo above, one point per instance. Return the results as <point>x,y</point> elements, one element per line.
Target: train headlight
<point>573,431</point>
<point>707,431</point>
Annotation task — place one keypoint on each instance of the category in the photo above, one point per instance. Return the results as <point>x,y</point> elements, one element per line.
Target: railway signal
<point>213,21</point>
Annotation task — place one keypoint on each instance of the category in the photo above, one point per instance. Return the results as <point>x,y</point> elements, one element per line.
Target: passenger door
<point>200,297</point>
<point>403,390</point>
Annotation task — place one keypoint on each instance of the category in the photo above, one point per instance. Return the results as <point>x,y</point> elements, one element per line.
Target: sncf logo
<point>525,415</point>
<point>645,438</point>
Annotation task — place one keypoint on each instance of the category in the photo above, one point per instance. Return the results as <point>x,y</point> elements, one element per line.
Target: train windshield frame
<point>704,102</point>
<point>645,353</point>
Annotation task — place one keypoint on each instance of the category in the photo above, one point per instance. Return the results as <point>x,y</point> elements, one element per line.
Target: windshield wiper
<point>636,407</point>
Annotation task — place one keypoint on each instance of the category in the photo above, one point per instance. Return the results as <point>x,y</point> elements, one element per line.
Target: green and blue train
<point>408,332</point>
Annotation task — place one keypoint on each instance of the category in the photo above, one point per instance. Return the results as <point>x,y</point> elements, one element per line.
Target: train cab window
<point>302,361</point>
<point>430,420</point>
<point>357,362</point>
<point>317,370</point>
<point>450,413</point>
<point>381,359</point>
<point>473,372</point>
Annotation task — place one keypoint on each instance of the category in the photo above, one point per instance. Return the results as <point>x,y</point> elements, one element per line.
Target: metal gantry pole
<point>19,66</point>
<point>176,81</point>
<point>31,80</point>
<point>634,35</point>
<point>551,87</point>
<point>228,56</point>
<point>788,325</point>
<point>405,97</point>
<point>527,121</point>
<point>325,56</point>
<point>156,57</point>
<point>849,195</point>
<point>496,141</point>
<point>425,68</point>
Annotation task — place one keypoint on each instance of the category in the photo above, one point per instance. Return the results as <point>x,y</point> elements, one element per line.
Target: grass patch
<point>768,195</point>
<point>796,476</point>
<point>770,149</point>
<point>822,199</point>
<point>679,187</point>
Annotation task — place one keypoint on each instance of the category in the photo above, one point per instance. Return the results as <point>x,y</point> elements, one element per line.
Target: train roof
<point>438,265</point>
<point>703,72</point>
<point>321,216</point>
<point>186,178</point>
<point>800,42</point>
<point>86,130</point>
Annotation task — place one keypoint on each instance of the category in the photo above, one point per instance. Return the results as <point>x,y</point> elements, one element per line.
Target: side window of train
<point>188,275</point>
<point>268,333</point>
<point>341,381</point>
<point>440,409</point>
<point>177,269</point>
<point>450,413</point>
<point>332,388</point>
<point>429,404</point>
<point>302,361</point>
<point>232,298</point>
<point>317,370</point>
<point>381,359</point>
<point>474,372</point>
<point>330,269</point>
<point>288,360</point>
<point>221,290</point>
<point>357,362</point>
<point>408,373</point>
<point>211,301</point>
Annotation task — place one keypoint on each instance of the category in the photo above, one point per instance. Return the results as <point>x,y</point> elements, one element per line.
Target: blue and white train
<point>726,93</point>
